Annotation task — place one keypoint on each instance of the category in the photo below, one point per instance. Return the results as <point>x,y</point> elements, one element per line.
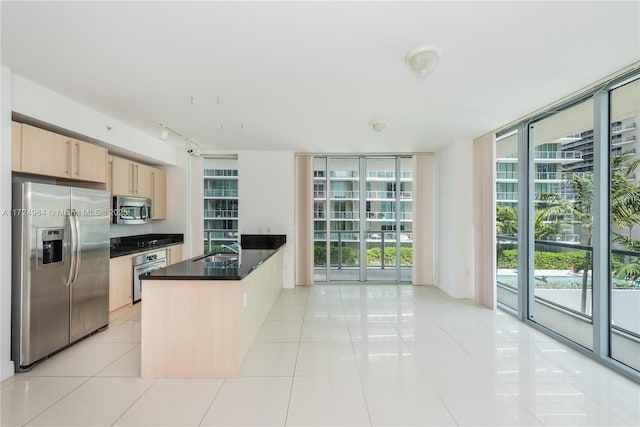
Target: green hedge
<point>508,258</point>
<point>374,255</point>
<point>348,256</point>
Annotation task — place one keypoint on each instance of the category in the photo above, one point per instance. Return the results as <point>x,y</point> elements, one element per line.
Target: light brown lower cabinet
<point>120,282</point>
<point>121,276</point>
<point>204,328</point>
<point>174,254</point>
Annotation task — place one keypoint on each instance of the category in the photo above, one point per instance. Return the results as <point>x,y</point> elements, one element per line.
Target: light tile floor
<point>345,355</point>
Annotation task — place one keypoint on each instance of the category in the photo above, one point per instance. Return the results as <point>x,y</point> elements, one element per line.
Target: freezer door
<point>41,270</point>
<point>90,287</point>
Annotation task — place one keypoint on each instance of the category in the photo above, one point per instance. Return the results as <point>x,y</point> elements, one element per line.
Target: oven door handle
<point>149,267</point>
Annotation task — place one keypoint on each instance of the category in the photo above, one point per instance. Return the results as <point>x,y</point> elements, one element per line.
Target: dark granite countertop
<point>128,245</point>
<point>197,269</point>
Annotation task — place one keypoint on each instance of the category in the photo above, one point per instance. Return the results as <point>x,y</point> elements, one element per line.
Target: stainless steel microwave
<point>131,210</point>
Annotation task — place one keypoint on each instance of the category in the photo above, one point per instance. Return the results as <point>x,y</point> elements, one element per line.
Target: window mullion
<point>601,242</point>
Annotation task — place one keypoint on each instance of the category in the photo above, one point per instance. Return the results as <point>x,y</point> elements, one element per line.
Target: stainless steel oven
<point>146,263</point>
<point>131,210</point>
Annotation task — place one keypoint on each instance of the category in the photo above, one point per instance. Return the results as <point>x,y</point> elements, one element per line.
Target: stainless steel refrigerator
<point>60,266</point>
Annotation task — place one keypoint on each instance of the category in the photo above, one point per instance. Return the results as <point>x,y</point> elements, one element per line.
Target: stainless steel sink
<point>219,259</point>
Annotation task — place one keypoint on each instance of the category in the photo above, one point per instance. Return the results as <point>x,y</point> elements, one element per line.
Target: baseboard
<point>7,371</point>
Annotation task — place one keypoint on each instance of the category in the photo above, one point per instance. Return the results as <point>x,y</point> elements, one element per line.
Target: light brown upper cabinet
<point>129,178</point>
<point>16,138</point>
<point>41,152</point>
<point>159,204</point>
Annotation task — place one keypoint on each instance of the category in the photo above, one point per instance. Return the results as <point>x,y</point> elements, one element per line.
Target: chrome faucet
<point>235,248</point>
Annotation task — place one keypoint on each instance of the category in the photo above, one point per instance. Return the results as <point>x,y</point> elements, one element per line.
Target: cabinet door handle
<point>78,158</point>
<point>130,186</point>
<point>137,178</point>
<point>68,171</point>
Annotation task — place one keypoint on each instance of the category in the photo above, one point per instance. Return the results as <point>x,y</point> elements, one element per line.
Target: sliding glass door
<point>363,219</point>
<point>562,165</point>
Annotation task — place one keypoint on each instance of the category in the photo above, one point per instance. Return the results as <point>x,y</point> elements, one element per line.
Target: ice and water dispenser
<point>52,244</point>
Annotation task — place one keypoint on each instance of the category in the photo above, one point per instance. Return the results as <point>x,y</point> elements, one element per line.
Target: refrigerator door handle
<point>72,266</point>
<point>76,246</point>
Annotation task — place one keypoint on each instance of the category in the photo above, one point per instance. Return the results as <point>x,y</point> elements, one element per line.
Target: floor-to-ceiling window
<point>625,224</point>
<point>220,202</point>
<point>568,222</point>
<point>363,218</point>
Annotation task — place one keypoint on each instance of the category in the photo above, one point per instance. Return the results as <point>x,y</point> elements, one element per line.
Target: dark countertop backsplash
<point>127,245</point>
<point>262,241</point>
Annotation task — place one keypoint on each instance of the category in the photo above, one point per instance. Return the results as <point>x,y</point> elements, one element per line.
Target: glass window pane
<point>320,218</point>
<point>507,218</point>
<point>562,222</point>
<point>381,219</point>
<point>344,218</point>
<point>220,202</point>
<point>625,227</point>
<point>406,219</point>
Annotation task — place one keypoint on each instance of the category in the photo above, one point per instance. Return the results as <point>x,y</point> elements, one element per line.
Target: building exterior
<point>551,166</point>
<point>555,161</point>
<point>220,202</point>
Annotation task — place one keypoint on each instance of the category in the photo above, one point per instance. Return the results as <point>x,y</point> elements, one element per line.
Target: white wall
<point>6,365</point>
<point>119,230</point>
<point>43,104</point>
<point>266,202</point>
<point>454,219</point>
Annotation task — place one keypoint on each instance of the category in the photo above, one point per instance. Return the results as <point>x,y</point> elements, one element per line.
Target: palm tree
<point>582,210</point>
<point>506,221</point>
<point>550,210</point>
<point>625,212</point>
<point>555,209</point>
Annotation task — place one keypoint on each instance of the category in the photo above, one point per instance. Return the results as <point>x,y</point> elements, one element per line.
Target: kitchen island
<point>200,316</point>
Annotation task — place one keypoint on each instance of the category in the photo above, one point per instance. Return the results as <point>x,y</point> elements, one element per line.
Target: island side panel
<point>190,329</point>
<point>261,288</point>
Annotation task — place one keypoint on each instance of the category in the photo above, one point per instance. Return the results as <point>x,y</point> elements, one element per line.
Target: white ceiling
<point>309,76</point>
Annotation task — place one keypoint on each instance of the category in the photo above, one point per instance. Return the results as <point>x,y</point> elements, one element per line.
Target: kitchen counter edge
<point>192,269</point>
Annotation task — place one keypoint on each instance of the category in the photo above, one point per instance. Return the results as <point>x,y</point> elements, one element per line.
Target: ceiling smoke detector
<point>422,60</point>
<point>378,125</point>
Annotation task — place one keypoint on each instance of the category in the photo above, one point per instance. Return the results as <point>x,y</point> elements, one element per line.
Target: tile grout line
<point>97,374</point>
<point>295,363</point>
<point>224,381</point>
<point>362,389</point>
<point>134,402</point>
<point>61,397</point>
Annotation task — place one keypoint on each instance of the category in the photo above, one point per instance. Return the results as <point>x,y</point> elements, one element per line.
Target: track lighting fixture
<point>192,147</point>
